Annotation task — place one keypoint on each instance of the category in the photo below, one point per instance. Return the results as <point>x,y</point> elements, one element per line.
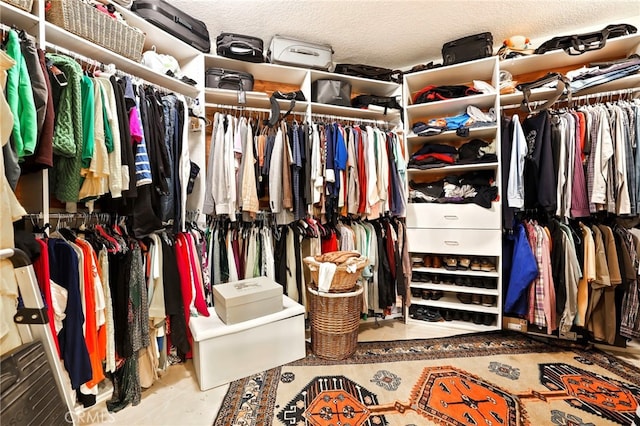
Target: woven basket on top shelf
<point>21,4</point>
<point>334,320</point>
<point>88,22</point>
<point>346,275</point>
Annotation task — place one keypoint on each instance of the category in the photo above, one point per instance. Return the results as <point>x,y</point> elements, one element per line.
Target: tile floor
<point>175,399</point>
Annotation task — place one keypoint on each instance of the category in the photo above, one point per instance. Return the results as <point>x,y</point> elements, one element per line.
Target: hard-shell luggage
<point>468,48</point>
<point>239,46</point>
<point>220,78</point>
<point>290,51</point>
<point>174,21</point>
<point>28,389</point>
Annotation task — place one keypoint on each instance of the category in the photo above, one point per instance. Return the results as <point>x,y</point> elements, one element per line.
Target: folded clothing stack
<point>471,118</point>
<point>474,187</point>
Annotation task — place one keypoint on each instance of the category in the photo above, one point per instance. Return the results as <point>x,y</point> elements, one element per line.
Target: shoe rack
<point>457,291</point>
<point>455,248</point>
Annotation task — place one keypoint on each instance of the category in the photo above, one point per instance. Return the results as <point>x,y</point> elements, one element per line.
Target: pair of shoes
<point>435,278</point>
<point>465,298</point>
<point>452,315</point>
<point>447,279</point>
<point>450,263</point>
<point>480,318</point>
<point>475,264</point>
<point>463,263</point>
<point>490,283</point>
<point>487,265</point>
<point>433,315</point>
<point>476,299</point>
<point>432,294</point>
<point>416,292</point>
<point>427,261</point>
<point>488,300</point>
<point>437,262</point>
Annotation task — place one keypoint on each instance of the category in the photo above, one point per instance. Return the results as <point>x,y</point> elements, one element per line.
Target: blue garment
<point>524,271</point>
<point>73,349</point>
<point>341,155</point>
<point>330,159</point>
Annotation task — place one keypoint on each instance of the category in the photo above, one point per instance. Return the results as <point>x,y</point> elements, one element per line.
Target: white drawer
<point>477,242</point>
<point>461,216</point>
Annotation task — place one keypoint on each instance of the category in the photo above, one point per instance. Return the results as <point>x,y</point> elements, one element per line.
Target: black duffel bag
<point>368,71</point>
<point>242,47</point>
<point>467,48</point>
<point>578,44</point>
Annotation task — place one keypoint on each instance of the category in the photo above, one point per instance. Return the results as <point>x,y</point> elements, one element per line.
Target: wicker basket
<point>334,320</point>
<point>21,4</point>
<point>88,22</point>
<point>343,280</point>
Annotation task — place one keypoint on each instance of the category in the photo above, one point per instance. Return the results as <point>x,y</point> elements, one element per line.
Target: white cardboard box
<point>247,299</point>
<point>223,353</point>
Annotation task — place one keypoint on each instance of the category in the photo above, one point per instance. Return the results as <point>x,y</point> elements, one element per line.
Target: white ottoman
<point>224,353</point>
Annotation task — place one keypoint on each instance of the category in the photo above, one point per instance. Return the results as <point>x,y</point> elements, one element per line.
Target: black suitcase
<point>28,390</point>
<point>220,78</point>
<point>468,48</point>
<point>239,46</point>
<point>174,21</point>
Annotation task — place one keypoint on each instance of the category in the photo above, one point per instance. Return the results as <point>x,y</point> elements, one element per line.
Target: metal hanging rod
<point>6,28</point>
<point>109,68</point>
<point>352,119</point>
<point>591,96</point>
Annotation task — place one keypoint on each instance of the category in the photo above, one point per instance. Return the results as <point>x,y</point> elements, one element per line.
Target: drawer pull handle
<point>451,217</point>
<point>451,243</point>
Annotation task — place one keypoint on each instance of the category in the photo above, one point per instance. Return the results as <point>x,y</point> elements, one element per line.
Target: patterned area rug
<point>499,378</point>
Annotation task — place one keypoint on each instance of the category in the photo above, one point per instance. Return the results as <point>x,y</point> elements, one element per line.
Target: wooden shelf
<point>72,42</point>
<point>514,99</point>
<point>260,71</point>
<point>450,107</point>
<point>468,273</point>
<point>161,40</point>
<point>455,288</point>
<point>22,19</point>
<point>618,47</point>
<point>360,85</point>
<point>452,302</point>
<point>214,97</point>
<point>460,325</point>
<point>454,168</point>
<point>487,133</point>
<point>462,73</point>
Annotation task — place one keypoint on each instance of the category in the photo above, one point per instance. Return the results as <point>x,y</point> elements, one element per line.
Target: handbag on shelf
<point>242,47</point>
<point>563,85</point>
<point>365,101</point>
<point>368,71</point>
<point>333,92</point>
<point>289,96</point>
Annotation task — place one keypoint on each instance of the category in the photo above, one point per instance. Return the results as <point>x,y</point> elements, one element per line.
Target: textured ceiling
<point>401,33</point>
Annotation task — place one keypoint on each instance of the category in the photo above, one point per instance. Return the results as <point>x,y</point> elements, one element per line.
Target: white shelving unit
<point>467,230</point>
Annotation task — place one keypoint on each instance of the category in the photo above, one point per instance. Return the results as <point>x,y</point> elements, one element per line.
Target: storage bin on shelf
<point>21,4</point>
<point>88,22</point>
<point>347,272</point>
<point>334,319</point>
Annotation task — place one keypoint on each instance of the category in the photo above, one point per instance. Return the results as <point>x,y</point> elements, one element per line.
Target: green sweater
<point>67,137</point>
<point>20,99</point>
